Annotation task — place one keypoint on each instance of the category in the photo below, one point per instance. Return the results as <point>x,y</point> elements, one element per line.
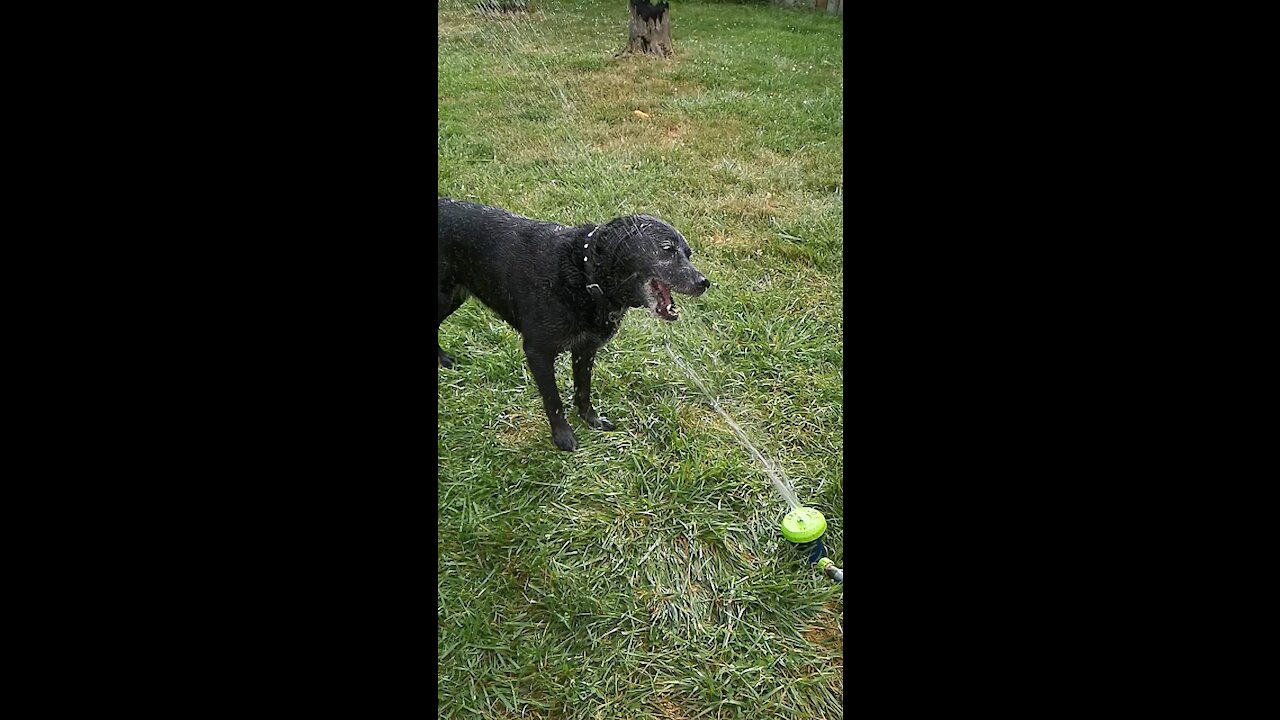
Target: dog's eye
<point>668,247</point>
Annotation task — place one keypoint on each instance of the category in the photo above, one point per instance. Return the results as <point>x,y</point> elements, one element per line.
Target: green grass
<point>643,576</point>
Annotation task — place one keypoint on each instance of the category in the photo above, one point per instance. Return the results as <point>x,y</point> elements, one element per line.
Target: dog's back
<point>492,254</point>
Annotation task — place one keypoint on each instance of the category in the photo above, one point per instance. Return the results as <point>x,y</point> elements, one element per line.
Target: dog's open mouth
<point>663,306</point>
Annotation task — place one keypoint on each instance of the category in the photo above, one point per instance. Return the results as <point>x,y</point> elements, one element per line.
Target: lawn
<point>644,575</point>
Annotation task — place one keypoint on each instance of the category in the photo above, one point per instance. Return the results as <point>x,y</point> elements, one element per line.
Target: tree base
<point>495,7</point>
<point>649,32</point>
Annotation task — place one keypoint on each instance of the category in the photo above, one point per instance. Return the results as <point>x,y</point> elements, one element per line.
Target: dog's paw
<point>564,439</point>
<point>594,421</point>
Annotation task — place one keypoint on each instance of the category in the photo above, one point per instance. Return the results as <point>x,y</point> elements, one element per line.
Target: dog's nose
<point>703,282</point>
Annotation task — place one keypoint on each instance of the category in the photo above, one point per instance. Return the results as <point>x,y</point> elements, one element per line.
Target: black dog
<point>563,288</point>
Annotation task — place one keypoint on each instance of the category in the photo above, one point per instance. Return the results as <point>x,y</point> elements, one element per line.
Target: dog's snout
<point>703,283</point>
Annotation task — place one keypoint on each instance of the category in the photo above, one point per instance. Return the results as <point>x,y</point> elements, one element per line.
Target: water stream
<point>775,474</point>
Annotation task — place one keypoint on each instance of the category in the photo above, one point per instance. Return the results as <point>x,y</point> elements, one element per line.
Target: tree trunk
<point>493,7</point>
<point>649,31</point>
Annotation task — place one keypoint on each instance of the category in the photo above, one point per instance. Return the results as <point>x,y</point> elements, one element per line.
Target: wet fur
<point>533,275</point>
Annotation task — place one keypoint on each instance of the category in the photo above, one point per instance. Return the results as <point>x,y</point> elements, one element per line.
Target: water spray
<point>802,526</point>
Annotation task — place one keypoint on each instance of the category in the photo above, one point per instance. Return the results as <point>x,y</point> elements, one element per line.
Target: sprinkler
<point>803,527</point>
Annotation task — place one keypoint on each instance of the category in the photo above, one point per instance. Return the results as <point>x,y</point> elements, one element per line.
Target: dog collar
<point>592,288</point>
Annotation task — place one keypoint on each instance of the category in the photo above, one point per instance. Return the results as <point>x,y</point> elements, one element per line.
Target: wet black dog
<point>563,288</point>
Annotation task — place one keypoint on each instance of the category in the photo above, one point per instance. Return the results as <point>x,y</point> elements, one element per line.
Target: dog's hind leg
<point>582,363</point>
<point>543,365</point>
<point>448,300</point>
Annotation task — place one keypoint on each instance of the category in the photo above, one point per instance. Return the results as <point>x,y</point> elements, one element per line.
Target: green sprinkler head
<point>803,525</point>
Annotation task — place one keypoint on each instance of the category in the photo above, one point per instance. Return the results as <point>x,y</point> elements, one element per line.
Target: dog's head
<point>650,260</point>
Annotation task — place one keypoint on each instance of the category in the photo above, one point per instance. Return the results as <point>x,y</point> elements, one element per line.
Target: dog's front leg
<point>543,365</point>
<point>582,364</point>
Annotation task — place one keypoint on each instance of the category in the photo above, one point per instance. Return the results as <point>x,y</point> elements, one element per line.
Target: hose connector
<point>829,569</point>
